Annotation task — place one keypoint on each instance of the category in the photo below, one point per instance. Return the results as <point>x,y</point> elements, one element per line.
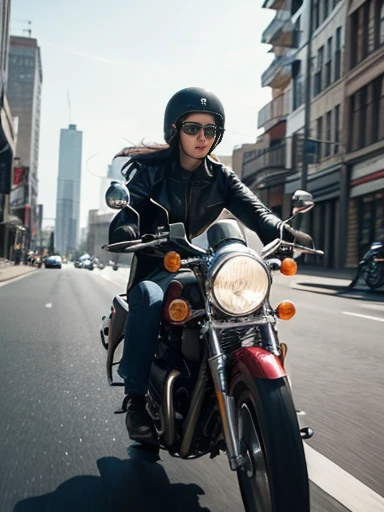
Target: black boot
<point>139,423</point>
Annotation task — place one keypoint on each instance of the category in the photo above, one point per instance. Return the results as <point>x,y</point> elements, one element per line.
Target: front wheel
<point>374,275</point>
<point>275,477</point>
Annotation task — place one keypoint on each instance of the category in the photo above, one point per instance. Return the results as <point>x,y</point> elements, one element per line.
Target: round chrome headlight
<point>240,285</point>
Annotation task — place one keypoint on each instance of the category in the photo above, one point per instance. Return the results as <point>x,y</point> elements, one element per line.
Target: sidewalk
<point>8,270</point>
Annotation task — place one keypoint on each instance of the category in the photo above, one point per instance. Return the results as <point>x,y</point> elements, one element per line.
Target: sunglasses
<point>191,128</point>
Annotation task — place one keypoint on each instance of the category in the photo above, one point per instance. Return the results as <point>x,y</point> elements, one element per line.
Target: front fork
<point>227,405</point>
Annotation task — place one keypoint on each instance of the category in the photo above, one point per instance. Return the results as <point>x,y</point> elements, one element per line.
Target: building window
<point>328,133</point>
<point>363,110</point>
<point>296,4</point>
<point>366,11</point>
<point>297,80</point>
<point>328,65</point>
<point>318,85</point>
<point>354,38</point>
<point>378,109</point>
<point>316,14</point>
<point>326,9</point>
<point>338,54</point>
<point>379,28</point>
<point>319,136</point>
<point>354,124</point>
<point>297,33</point>
<point>337,128</point>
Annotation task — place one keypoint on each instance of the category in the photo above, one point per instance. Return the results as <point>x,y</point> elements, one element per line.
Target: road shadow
<point>132,485</point>
<point>345,292</point>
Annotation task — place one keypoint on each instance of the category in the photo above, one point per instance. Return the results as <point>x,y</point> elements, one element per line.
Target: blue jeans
<point>140,339</point>
<point>142,329</point>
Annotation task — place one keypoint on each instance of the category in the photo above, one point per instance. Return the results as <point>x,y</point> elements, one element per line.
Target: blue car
<point>53,262</point>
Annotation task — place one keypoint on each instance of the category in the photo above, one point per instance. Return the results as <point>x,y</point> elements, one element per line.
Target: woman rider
<point>176,182</point>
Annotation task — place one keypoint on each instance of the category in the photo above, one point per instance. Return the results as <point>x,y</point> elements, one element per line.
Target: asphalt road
<point>63,449</point>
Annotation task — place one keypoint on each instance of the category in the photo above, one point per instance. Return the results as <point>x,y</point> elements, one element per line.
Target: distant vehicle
<point>88,264</point>
<point>53,262</point>
<point>371,267</point>
<point>85,261</point>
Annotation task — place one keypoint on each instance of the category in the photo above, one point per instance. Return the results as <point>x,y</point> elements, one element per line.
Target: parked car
<point>53,262</point>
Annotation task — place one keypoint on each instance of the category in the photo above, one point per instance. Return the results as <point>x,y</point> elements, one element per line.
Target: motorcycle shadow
<point>131,485</point>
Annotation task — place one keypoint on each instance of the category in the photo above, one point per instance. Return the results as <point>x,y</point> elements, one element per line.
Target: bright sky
<point>121,61</point>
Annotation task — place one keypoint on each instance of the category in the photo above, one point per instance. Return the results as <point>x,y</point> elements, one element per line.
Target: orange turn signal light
<point>288,267</point>
<point>285,310</point>
<point>172,261</point>
<point>178,310</point>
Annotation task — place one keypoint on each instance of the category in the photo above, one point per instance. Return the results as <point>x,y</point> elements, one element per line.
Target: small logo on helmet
<point>203,101</point>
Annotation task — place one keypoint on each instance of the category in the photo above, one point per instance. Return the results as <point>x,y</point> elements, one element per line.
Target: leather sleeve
<point>243,203</point>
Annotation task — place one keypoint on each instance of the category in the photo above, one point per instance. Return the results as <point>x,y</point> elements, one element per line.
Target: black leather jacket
<point>212,188</point>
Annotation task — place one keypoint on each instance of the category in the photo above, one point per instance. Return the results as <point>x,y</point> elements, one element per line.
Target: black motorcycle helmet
<point>193,99</point>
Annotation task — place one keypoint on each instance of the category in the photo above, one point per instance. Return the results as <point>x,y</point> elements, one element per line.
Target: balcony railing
<point>272,113</point>
<point>281,31</point>
<point>273,4</point>
<point>278,74</point>
<point>273,158</point>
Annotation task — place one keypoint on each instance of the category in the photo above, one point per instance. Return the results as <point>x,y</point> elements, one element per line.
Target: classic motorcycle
<point>218,381</point>
<point>371,267</point>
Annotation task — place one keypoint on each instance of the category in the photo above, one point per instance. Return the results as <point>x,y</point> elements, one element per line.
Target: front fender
<point>257,362</point>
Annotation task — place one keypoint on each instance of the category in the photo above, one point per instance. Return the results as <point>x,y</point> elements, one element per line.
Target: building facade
<point>266,167</point>
<point>67,223</point>
<point>303,141</point>
<point>324,149</point>
<point>24,93</point>
<point>7,137</point>
<point>364,118</point>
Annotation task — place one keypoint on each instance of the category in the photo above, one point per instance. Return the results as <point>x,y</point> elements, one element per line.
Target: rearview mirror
<point>117,195</point>
<point>302,202</point>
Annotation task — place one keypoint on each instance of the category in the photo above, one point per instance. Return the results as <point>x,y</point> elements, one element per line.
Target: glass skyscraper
<point>68,191</point>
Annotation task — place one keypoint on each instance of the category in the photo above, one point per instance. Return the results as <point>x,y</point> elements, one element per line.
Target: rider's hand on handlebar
<point>298,237</point>
<point>128,232</point>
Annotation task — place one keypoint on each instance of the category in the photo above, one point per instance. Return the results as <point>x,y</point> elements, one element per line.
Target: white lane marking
<point>48,305</point>
<point>339,484</point>
<point>364,316</point>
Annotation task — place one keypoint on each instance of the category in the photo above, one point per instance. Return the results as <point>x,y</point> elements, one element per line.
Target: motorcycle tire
<point>374,276</point>
<point>275,479</point>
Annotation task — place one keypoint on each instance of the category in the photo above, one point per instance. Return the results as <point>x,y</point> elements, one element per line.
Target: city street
<point>64,449</point>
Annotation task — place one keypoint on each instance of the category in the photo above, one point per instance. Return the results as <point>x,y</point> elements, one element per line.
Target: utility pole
<point>307,100</point>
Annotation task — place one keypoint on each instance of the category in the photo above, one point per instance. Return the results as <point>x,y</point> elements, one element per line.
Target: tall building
<point>25,78</point>
<point>68,191</point>
<point>7,134</point>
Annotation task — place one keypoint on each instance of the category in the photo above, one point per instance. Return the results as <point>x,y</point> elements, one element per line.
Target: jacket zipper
<point>188,201</point>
